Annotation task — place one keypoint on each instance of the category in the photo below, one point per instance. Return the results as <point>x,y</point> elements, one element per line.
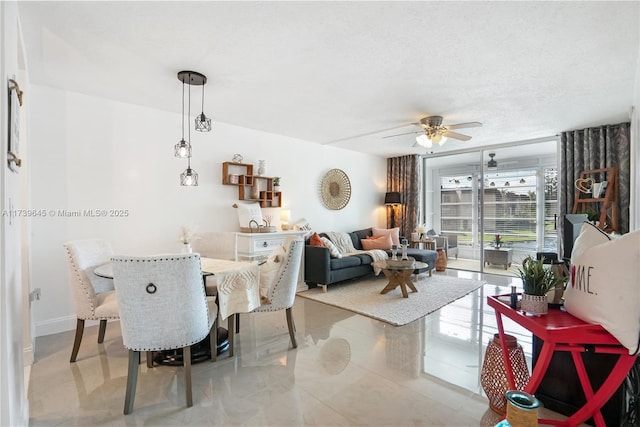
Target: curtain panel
<point>595,148</point>
<point>404,176</point>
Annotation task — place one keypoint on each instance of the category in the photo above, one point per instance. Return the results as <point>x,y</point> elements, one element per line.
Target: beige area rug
<point>364,297</point>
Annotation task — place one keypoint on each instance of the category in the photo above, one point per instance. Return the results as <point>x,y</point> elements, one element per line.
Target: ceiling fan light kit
<point>435,132</point>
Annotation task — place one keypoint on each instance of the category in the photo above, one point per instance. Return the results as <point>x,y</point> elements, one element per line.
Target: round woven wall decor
<point>335,189</point>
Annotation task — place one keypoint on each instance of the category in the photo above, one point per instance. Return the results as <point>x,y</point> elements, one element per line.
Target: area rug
<point>364,297</point>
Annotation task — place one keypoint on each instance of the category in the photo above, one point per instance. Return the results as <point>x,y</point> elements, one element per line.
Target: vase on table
<point>186,248</point>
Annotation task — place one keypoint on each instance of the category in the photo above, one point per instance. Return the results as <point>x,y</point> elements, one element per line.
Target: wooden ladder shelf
<point>606,204</point>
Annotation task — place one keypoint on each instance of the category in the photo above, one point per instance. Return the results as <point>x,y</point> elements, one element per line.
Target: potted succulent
<point>276,183</point>
<point>537,280</point>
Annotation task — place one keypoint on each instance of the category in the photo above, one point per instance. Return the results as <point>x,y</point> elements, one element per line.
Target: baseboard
<point>61,324</point>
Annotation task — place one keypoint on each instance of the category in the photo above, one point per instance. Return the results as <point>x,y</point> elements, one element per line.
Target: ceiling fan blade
<point>400,134</point>
<point>464,125</point>
<point>456,135</point>
<point>366,134</point>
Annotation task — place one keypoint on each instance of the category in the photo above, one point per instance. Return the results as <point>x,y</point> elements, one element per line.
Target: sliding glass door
<point>508,191</point>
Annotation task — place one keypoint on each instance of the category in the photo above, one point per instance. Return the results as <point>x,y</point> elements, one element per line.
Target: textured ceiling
<point>327,72</point>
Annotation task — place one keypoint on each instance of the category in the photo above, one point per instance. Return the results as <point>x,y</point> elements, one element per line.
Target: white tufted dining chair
<point>163,306</point>
<point>282,291</point>
<point>94,296</point>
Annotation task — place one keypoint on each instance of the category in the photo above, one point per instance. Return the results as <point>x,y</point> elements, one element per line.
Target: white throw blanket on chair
<point>345,246</point>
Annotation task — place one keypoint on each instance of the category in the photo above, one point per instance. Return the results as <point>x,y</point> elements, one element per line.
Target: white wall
<point>92,153</point>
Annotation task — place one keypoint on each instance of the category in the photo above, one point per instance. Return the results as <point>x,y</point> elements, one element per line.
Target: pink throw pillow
<point>382,242</point>
<point>393,232</point>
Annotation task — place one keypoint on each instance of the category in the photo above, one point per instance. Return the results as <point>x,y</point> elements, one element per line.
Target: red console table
<point>561,331</point>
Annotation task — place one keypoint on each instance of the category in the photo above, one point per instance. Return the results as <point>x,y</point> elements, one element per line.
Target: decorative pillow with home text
<point>604,287</point>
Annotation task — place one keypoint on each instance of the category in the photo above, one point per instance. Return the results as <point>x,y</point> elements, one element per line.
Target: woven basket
<point>494,377</point>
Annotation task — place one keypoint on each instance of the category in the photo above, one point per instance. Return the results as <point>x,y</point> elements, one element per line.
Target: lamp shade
<point>392,198</point>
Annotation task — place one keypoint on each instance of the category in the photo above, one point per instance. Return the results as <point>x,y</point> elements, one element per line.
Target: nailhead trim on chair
<point>76,271</point>
<point>169,258</point>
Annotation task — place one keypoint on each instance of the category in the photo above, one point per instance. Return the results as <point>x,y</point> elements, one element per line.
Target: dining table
<point>236,287</point>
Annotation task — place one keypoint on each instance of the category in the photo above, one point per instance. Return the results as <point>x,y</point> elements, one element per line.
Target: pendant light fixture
<point>183,148</point>
<point>189,177</point>
<point>203,123</point>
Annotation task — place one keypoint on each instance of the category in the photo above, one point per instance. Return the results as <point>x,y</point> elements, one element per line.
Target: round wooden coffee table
<point>399,275</point>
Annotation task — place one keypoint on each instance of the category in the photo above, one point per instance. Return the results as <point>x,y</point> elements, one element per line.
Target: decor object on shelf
<point>537,280</point>
<point>237,158</point>
<point>183,149</point>
<point>584,185</point>
<point>493,376</point>
<point>335,189</point>
<point>276,183</point>
<point>601,197</point>
<point>262,167</point>
<point>392,199</point>
<point>497,241</point>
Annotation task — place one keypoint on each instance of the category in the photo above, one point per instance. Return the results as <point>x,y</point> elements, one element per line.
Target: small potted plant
<point>537,280</point>
<point>276,183</point>
<point>497,241</point>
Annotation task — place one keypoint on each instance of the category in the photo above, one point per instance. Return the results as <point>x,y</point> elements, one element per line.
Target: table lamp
<point>285,217</point>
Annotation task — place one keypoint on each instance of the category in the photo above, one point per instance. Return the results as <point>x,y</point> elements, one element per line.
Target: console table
<point>257,246</point>
<point>498,256</point>
<point>561,331</point>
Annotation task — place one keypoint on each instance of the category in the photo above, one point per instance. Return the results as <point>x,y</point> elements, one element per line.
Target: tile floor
<point>347,370</point>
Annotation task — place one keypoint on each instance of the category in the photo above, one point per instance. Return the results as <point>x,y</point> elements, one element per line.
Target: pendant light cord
<point>189,127</point>
<point>183,110</point>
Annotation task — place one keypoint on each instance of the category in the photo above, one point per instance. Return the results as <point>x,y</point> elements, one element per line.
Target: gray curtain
<point>403,175</point>
<point>596,148</point>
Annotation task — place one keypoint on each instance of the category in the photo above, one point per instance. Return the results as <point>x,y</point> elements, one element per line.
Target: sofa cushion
<point>382,242</point>
<point>393,232</point>
<point>358,235</point>
<point>344,262</point>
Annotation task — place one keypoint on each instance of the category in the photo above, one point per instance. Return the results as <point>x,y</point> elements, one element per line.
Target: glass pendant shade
<point>203,123</point>
<point>183,149</point>
<point>423,141</point>
<point>189,178</point>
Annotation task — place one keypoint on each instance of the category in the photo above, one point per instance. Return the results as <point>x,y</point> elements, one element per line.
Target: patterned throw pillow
<point>603,288</point>
<point>333,250</point>
<point>382,242</point>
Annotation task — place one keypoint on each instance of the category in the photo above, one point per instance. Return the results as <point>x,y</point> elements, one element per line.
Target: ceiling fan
<point>435,132</point>
<point>492,163</point>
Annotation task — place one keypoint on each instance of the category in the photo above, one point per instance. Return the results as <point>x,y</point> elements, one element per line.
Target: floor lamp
<point>392,199</point>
